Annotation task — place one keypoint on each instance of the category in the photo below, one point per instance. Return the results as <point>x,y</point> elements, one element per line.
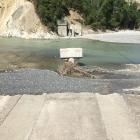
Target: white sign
<point>71,53</point>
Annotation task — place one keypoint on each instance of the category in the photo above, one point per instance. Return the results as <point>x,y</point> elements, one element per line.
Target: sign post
<point>71,53</point>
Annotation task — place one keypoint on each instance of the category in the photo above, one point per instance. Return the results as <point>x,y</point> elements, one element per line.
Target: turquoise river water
<point>44,54</point>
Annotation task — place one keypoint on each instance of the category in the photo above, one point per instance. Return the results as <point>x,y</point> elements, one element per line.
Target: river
<point>24,64</point>
<point>18,53</point>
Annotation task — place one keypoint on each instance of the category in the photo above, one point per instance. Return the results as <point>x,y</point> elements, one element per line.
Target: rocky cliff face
<point>18,18</point>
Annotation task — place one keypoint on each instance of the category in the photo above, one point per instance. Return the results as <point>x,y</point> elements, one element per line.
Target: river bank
<point>35,81</point>
<point>123,36</point>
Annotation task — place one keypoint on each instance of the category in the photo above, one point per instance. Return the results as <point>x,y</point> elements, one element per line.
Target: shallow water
<point>44,54</point>
<point>117,65</point>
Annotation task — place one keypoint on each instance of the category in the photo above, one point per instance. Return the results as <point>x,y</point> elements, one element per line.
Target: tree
<point>100,14</point>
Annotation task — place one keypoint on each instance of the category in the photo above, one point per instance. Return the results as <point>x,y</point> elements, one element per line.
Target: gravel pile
<point>32,81</point>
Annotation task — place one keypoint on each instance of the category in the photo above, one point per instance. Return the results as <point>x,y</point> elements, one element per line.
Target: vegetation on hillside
<point>100,14</point>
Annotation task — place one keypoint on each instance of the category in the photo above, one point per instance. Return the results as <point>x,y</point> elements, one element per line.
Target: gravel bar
<point>34,81</point>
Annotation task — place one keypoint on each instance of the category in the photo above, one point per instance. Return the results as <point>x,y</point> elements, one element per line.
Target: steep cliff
<point>18,18</point>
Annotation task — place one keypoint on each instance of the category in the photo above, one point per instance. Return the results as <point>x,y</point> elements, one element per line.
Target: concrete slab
<point>117,119</point>
<point>18,125</point>
<point>70,117</point>
<point>133,103</point>
<point>8,106</point>
<point>67,116</point>
<point>1,97</point>
<point>3,101</point>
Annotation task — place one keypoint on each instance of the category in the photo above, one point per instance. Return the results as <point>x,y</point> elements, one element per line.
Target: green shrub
<point>100,14</point>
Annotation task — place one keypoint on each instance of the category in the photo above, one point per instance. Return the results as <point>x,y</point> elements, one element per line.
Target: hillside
<point>102,14</point>
<point>37,18</point>
<point>18,18</point>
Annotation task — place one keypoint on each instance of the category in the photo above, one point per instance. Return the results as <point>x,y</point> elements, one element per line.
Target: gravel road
<point>33,81</point>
